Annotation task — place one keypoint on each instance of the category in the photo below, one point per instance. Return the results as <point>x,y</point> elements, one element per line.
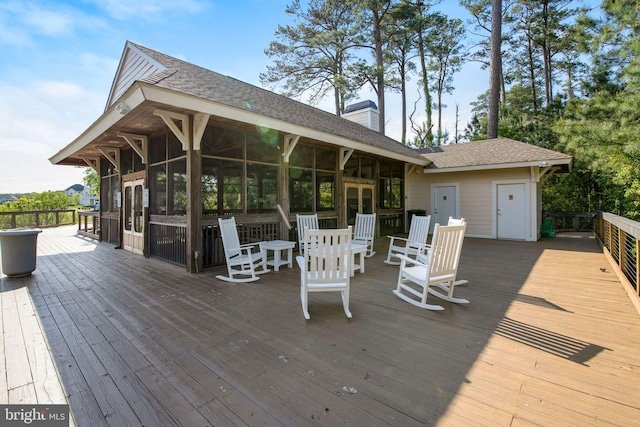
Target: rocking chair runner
<point>240,260</point>
<point>364,231</point>
<point>414,243</point>
<point>325,265</point>
<point>418,279</point>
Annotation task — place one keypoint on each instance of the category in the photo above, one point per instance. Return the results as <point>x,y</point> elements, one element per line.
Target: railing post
<point>638,267</point>
<point>14,222</point>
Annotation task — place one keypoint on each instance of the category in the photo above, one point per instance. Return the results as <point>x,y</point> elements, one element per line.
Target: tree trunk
<point>495,68</point>
<point>377,37</point>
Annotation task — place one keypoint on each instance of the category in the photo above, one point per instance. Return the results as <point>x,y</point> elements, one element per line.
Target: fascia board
<point>133,97</point>
<point>554,162</point>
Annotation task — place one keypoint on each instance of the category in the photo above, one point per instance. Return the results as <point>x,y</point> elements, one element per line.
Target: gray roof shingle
<point>488,152</point>
<point>193,80</point>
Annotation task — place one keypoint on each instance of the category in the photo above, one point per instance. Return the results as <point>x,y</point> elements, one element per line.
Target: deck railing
<point>571,222</point>
<point>89,224</point>
<point>49,218</point>
<point>620,238</point>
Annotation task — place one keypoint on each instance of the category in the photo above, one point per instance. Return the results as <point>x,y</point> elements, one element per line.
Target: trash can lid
<point>20,232</point>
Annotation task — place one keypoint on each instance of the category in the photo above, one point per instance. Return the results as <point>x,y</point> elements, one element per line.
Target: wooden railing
<point>620,238</point>
<point>40,219</point>
<point>571,222</point>
<point>89,224</point>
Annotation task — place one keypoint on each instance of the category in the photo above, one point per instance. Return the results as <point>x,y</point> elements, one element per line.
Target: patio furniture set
<point>327,258</point>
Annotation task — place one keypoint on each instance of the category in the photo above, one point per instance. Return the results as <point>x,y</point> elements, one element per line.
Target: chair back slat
<point>327,255</point>
<point>446,246</point>
<point>364,231</point>
<point>306,221</point>
<point>229,233</point>
<point>456,221</point>
<point>365,226</point>
<point>419,228</point>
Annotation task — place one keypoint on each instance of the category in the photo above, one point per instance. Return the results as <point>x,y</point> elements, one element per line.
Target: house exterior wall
<point>477,197</point>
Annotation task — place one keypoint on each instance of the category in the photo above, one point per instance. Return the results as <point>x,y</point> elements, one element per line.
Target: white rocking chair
<point>240,260</point>
<point>365,231</point>
<point>325,265</point>
<point>305,221</point>
<point>418,279</point>
<point>414,243</point>
<point>422,256</point>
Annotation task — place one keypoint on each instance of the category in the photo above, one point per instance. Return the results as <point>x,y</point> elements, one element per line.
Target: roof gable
<point>186,78</point>
<point>134,65</point>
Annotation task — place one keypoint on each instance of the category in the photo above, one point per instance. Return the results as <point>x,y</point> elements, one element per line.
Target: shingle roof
<point>193,80</point>
<point>489,152</point>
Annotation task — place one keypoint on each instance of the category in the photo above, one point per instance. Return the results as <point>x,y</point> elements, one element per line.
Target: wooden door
<point>359,198</point>
<point>132,216</point>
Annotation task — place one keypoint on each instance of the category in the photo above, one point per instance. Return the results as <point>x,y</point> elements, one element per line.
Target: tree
<point>603,129</point>
<point>92,180</point>
<point>419,10</point>
<point>495,69</point>
<point>314,56</point>
<point>375,13</point>
<point>445,59</point>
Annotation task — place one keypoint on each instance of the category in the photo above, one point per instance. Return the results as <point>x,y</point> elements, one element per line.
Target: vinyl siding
<point>476,194</point>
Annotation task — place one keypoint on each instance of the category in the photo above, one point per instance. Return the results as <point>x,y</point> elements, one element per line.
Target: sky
<point>58,60</point>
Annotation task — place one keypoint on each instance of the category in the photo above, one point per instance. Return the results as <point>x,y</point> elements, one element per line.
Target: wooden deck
<point>549,338</point>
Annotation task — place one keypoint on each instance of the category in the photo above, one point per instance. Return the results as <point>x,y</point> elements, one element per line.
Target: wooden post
<point>194,208</point>
<point>637,284</point>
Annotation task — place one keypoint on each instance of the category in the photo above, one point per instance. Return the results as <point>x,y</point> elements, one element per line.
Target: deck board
<point>549,337</point>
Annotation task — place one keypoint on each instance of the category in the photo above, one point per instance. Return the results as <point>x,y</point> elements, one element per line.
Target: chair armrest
<point>406,259</point>
<point>398,238</point>
<point>301,262</point>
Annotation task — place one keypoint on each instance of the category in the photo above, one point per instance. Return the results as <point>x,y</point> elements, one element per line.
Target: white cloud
<point>36,121</point>
<point>22,22</point>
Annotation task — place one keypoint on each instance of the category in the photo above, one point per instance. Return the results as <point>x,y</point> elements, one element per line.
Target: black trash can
<point>18,251</point>
<point>412,212</point>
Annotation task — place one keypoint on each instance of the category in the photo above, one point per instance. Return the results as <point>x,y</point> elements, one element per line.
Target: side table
<point>277,246</point>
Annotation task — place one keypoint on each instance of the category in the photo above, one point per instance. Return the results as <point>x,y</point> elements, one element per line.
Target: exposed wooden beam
<point>184,134</point>
<point>290,142</point>
<point>200,121</point>
<point>411,168</point>
<point>93,162</point>
<point>345,155</point>
<point>115,159</point>
<point>131,138</point>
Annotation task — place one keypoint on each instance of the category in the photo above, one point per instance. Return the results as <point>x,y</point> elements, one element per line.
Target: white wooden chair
<point>412,244</point>
<point>308,221</point>
<point>365,231</point>
<point>325,265</point>
<point>416,280</point>
<point>456,221</point>
<point>240,260</point>
<point>422,255</point>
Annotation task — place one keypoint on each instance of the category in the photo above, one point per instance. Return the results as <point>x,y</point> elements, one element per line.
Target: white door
<point>511,212</point>
<point>444,204</point>
<point>132,216</point>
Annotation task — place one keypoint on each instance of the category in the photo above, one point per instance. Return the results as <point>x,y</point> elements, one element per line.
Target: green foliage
<point>49,200</point>
<point>92,180</point>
